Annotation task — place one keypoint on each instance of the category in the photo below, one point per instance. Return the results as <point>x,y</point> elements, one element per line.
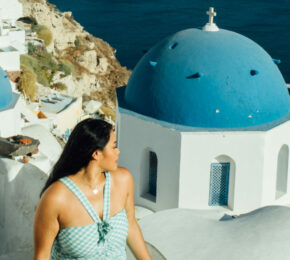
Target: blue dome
<point>208,79</point>
<point>6,96</point>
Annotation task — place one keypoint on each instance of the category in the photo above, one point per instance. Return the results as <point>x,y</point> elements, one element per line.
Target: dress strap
<point>82,198</point>
<point>107,196</point>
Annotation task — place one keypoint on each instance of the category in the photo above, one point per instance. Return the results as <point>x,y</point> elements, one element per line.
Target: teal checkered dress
<point>102,240</point>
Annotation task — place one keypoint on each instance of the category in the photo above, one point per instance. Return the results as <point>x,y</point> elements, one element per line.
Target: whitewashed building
<point>12,38</point>
<point>10,11</point>
<point>20,183</point>
<point>204,122</point>
<point>10,108</point>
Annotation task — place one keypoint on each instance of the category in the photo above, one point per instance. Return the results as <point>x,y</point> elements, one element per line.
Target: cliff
<point>97,72</point>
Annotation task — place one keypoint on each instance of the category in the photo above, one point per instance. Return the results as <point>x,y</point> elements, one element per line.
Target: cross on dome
<point>211,26</point>
<point>211,13</point>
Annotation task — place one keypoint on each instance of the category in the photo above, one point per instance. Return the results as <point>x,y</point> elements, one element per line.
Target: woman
<point>86,210</point>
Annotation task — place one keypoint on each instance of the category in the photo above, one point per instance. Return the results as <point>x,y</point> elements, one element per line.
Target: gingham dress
<point>102,240</point>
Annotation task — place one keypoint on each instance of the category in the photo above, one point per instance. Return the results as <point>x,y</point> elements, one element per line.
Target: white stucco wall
<point>11,10</point>
<point>274,140</point>
<point>135,136</point>
<point>10,119</point>
<point>4,40</point>
<point>67,118</point>
<point>17,36</point>
<point>185,177</point>
<point>49,148</point>
<point>10,60</point>
<point>20,186</point>
<point>14,38</point>
<point>200,149</point>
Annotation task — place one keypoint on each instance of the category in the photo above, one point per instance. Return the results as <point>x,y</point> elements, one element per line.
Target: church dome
<point>6,96</point>
<point>211,79</point>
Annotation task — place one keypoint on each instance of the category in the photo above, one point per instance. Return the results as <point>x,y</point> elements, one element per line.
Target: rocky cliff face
<point>98,72</point>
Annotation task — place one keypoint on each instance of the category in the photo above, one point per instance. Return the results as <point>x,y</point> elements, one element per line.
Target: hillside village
<point>53,74</point>
<point>49,57</point>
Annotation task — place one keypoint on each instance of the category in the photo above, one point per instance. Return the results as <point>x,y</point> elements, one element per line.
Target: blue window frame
<point>219,184</point>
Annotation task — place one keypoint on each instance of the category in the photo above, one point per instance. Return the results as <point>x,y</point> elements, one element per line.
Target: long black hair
<point>88,136</point>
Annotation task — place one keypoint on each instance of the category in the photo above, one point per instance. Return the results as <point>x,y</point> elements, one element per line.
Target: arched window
<point>222,181</point>
<point>152,173</point>
<point>149,176</point>
<point>282,171</point>
<point>219,184</point>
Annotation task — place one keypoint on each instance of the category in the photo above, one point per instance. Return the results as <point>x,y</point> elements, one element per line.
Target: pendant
<point>95,191</point>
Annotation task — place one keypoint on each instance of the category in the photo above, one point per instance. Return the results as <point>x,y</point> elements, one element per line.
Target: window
<point>282,172</point>
<point>219,184</point>
<point>149,176</point>
<point>152,173</point>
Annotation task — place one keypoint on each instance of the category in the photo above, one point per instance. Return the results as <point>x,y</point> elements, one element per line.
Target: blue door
<point>219,184</point>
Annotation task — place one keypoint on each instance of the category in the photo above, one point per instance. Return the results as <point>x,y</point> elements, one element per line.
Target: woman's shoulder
<point>122,174</point>
<point>55,195</point>
<point>123,179</point>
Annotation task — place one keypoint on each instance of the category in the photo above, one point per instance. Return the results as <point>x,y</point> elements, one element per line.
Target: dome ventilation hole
<point>172,45</point>
<point>277,61</point>
<point>195,76</point>
<point>254,72</point>
<point>153,63</point>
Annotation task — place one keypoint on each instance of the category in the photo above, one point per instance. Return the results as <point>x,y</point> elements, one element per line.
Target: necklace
<point>95,190</point>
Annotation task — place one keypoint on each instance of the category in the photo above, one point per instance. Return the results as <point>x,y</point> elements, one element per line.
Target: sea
<point>132,27</point>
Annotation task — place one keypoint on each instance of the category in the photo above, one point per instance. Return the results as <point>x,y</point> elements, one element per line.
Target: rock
<point>92,106</point>
<point>18,145</point>
<point>89,60</point>
<point>91,45</point>
<point>67,14</point>
<point>102,65</point>
<point>98,72</point>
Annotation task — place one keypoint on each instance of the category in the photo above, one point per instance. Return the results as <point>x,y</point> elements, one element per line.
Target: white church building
<point>204,123</point>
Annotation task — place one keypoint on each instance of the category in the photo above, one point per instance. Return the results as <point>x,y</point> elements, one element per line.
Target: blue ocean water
<point>134,26</point>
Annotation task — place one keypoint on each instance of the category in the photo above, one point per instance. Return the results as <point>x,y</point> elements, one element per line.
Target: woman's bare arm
<point>46,225</point>
<point>135,238</point>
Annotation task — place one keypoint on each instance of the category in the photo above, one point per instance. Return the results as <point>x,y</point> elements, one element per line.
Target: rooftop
<point>55,103</point>
<point>201,234</point>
